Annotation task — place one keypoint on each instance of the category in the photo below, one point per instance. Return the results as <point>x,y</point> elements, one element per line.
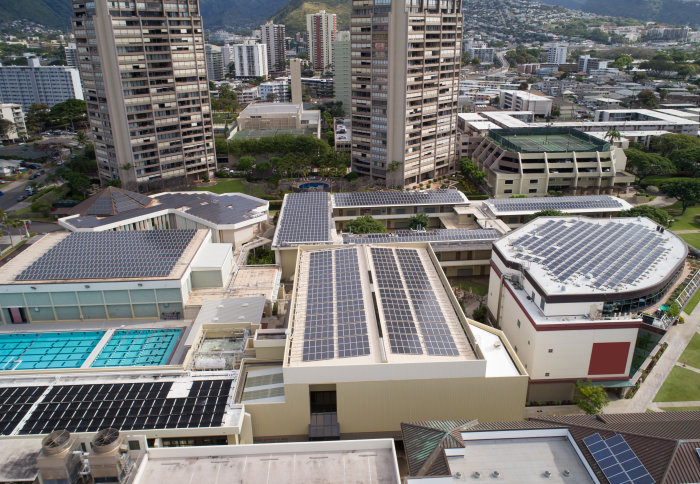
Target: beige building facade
<point>144,75</point>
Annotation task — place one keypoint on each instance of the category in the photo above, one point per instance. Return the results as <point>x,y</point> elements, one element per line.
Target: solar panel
<point>438,235</point>
<point>109,255</point>
<point>566,204</point>
<point>14,404</point>
<point>400,273</point>
<point>390,198</point>
<point>617,460</point>
<point>334,272</point>
<point>599,256</point>
<point>305,218</point>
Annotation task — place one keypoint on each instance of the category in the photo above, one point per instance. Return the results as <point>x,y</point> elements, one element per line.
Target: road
<point>10,194</point>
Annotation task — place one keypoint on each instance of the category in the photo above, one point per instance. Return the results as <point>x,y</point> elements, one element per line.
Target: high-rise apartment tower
<point>273,38</point>
<point>322,29</point>
<point>405,84</point>
<point>144,75</point>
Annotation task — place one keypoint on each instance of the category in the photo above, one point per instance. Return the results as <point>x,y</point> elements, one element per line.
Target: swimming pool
<point>313,186</point>
<point>37,351</point>
<point>138,347</point>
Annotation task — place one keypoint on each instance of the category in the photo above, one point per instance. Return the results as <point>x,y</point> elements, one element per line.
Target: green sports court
<point>551,140</point>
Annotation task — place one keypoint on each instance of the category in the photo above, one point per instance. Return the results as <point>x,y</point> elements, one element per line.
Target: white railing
<point>686,294</point>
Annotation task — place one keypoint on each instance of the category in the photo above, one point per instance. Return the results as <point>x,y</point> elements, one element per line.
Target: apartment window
<point>508,191</point>
<point>542,304</point>
<point>550,350</point>
<point>509,182</point>
<point>534,181</point>
<point>532,190</point>
<point>518,323</point>
<point>546,374</point>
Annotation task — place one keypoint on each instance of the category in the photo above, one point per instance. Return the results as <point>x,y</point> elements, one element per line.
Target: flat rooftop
<point>394,197</point>
<point>108,255</point>
<point>261,109</point>
<point>576,255</point>
<point>283,463</point>
<point>305,218</point>
<point>580,204</point>
<point>546,140</point>
<point>523,460</point>
<point>333,324</point>
<point>31,405</point>
<point>437,235</point>
<point>266,133</point>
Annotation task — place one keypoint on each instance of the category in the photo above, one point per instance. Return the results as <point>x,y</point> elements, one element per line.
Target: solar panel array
<point>14,405</point>
<point>407,297</point>
<point>128,406</point>
<point>388,198</point>
<point>604,255</point>
<point>113,202</point>
<point>555,203</point>
<point>335,309</point>
<point>107,255</point>
<point>617,460</point>
<point>305,217</point>
<point>438,235</point>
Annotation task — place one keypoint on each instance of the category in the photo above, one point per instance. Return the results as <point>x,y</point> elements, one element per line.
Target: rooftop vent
<point>495,474</point>
<point>497,344</point>
<point>566,472</point>
<point>476,474</point>
<point>547,474</point>
<point>105,441</point>
<point>56,442</point>
<point>457,475</point>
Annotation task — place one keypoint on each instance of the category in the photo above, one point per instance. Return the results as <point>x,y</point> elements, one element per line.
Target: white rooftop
<point>578,255</point>
<point>272,108</point>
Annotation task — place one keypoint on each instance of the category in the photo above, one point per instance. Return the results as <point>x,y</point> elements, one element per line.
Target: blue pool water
<point>138,347</point>
<point>28,351</point>
<point>314,186</point>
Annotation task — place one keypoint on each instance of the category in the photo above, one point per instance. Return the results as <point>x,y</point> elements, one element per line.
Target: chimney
<point>295,75</point>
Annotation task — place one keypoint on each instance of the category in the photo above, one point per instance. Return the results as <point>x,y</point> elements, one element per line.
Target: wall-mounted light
<point>165,305</point>
<point>36,309</point>
<point>140,285</point>
<point>87,286</point>
<point>33,287</point>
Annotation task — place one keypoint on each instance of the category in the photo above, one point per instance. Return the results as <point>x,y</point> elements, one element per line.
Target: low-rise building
<point>14,114</point>
<point>568,293</point>
<point>525,101</point>
<point>285,117</point>
<point>276,91</point>
<point>536,161</point>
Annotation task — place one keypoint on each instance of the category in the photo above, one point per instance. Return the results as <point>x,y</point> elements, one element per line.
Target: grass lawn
<point>691,355</point>
<point>679,409</point>
<point>466,284</point>
<point>692,303</point>
<point>682,385</point>
<point>234,185</point>
<point>692,239</point>
<point>222,118</point>
<point>685,221</point>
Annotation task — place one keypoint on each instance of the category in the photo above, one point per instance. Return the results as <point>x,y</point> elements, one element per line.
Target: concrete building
<point>479,50</point>
<point>248,95</point>
<point>276,91</point>
<point>250,60</point>
<point>525,101</point>
<point>340,364</point>
<point>341,70</point>
<point>342,130</point>
<point>273,37</point>
<point>145,79</point>
<point>319,87</point>
<point>111,275</point>
<point>215,62</point>
<point>557,54</point>
<point>71,52</point>
<point>280,116</point>
<point>322,29</point>
<point>14,114</point>
<point>586,64</point>
<point>535,161</point>
<point>572,313</point>
<point>50,85</point>
<point>234,218</point>
<point>410,76</point>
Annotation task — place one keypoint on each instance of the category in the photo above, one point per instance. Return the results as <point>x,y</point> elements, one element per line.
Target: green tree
<point>622,62</point>
<point>68,114</point>
<point>7,128</point>
<point>612,135</point>
<point>37,118</point>
<point>686,191</point>
<point>524,86</point>
<point>365,225</point>
<point>687,161</point>
<point>590,398</point>
<point>668,143</point>
<point>245,163</point>
<point>545,213</point>
<point>480,314</point>
<point>419,221</point>
<point>78,183</point>
<point>658,215</point>
<point>471,171</point>
<point>674,310</point>
<point>644,164</point>
<point>647,98</point>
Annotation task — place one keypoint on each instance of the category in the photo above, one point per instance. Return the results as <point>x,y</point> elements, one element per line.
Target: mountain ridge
<point>679,12</point>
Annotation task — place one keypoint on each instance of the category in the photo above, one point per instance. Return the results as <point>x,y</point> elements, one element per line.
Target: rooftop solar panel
<point>599,256</point>
<point>565,204</point>
<point>617,460</point>
<point>305,218</point>
<point>438,235</point>
<point>110,255</point>
<point>389,198</point>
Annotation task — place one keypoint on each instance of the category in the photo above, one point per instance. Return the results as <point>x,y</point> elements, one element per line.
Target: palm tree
<point>612,135</point>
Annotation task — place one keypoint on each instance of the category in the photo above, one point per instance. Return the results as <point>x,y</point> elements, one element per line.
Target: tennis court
<point>550,143</point>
